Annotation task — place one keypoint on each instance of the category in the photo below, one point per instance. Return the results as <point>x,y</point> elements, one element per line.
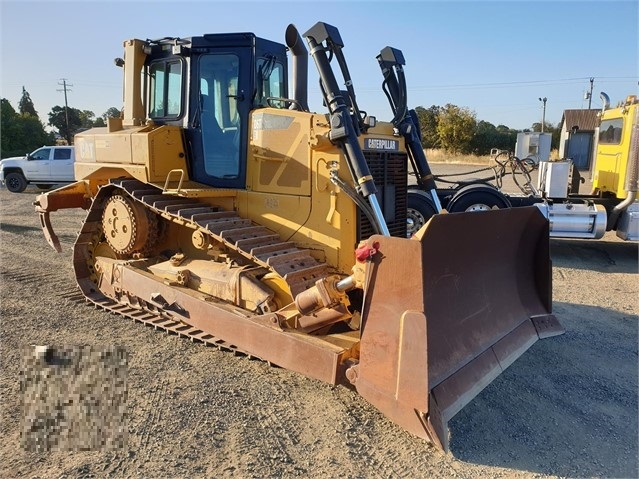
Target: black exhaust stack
<point>299,66</point>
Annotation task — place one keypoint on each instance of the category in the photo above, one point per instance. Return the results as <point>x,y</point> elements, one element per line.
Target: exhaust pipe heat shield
<point>447,311</point>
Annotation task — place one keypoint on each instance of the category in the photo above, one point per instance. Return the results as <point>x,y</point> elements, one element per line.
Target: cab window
<point>270,83</point>
<point>219,114</point>
<point>41,154</point>
<point>62,154</point>
<point>610,131</point>
<point>165,89</point>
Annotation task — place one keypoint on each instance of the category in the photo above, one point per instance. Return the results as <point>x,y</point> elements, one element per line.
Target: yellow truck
<point>611,205</point>
<point>616,170</point>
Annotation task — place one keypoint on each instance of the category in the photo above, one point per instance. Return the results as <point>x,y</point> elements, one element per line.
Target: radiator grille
<point>390,175</point>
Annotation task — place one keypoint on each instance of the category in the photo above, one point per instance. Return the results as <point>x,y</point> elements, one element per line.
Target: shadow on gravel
<point>18,229</point>
<point>602,256</point>
<point>568,407</point>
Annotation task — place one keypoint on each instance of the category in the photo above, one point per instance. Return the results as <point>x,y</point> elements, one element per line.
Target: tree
<point>58,119</point>
<point>87,119</point>
<point>485,137</point>
<point>26,105</point>
<point>456,128</point>
<point>507,138</point>
<point>21,133</point>
<point>112,112</point>
<point>488,136</point>
<point>428,125</point>
<point>9,128</point>
<point>537,127</point>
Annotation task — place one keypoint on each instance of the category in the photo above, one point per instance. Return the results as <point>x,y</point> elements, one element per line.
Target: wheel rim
<point>13,183</point>
<point>414,221</point>
<point>480,207</point>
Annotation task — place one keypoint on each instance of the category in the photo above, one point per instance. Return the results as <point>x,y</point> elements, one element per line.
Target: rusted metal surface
<point>75,195</point>
<point>445,314</point>
<point>483,283</point>
<point>218,280</point>
<point>289,349</point>
<point>47,231</point>
<point>125,225</point>
<point>393,370</point>
<point>300,270</point>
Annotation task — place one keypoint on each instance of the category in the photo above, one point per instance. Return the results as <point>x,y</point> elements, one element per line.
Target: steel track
<point>257,244</point>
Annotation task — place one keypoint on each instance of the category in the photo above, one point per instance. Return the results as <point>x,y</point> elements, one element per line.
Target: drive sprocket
<point>128,226</point>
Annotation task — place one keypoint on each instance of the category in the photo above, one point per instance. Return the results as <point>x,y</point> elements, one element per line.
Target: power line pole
<point>592,81</point>
<point>65,88</point>
<point>543,115</point>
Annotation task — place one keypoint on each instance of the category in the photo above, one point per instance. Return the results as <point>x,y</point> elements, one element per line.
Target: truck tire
<point>15,182</point>
<point>478,197</point>
<point>420,208</point>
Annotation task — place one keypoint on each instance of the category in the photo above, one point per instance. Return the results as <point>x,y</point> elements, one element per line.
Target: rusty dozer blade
<point>446,312</point>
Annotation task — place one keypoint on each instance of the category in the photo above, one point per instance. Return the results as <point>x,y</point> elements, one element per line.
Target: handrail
<point>168,177</point>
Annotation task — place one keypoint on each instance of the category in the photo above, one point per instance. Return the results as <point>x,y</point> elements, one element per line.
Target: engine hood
<point>5,161</point>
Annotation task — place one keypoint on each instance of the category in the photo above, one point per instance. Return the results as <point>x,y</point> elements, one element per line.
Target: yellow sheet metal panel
<point>147,153</point>
<point>97,145</point>
<point>613,150</point>
<point>103,172</point>
<point>165,148</point>
<point>279,153</point>
<point>101,155</point>
<point>298,220</point>
<point>289,161</point>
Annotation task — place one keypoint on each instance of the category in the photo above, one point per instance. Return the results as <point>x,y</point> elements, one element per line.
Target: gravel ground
<point>567,408</point>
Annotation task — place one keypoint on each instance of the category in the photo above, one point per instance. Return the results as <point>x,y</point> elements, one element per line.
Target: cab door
<point>219,127</point>
<point>62,164</point>
<point>38,165</point>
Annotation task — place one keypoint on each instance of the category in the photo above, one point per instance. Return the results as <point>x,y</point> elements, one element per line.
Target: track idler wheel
<point>128,226</point>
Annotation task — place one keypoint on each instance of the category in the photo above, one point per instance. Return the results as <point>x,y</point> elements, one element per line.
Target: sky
<point>496,59</point>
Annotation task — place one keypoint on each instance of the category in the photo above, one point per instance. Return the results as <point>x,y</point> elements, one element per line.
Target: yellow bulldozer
<point>221,208</point>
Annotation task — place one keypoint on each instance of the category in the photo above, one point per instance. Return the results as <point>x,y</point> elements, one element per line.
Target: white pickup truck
<point>45,166</point>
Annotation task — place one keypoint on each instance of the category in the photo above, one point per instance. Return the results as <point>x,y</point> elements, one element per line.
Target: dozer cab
<point>220,208</point>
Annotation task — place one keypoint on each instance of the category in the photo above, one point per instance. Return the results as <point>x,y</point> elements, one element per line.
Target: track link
<point>257,244</point>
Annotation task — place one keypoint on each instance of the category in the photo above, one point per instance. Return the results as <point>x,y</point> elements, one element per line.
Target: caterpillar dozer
<point>221,208</point>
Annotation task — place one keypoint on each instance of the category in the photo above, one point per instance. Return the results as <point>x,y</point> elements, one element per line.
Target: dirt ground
<point>567,408</point>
